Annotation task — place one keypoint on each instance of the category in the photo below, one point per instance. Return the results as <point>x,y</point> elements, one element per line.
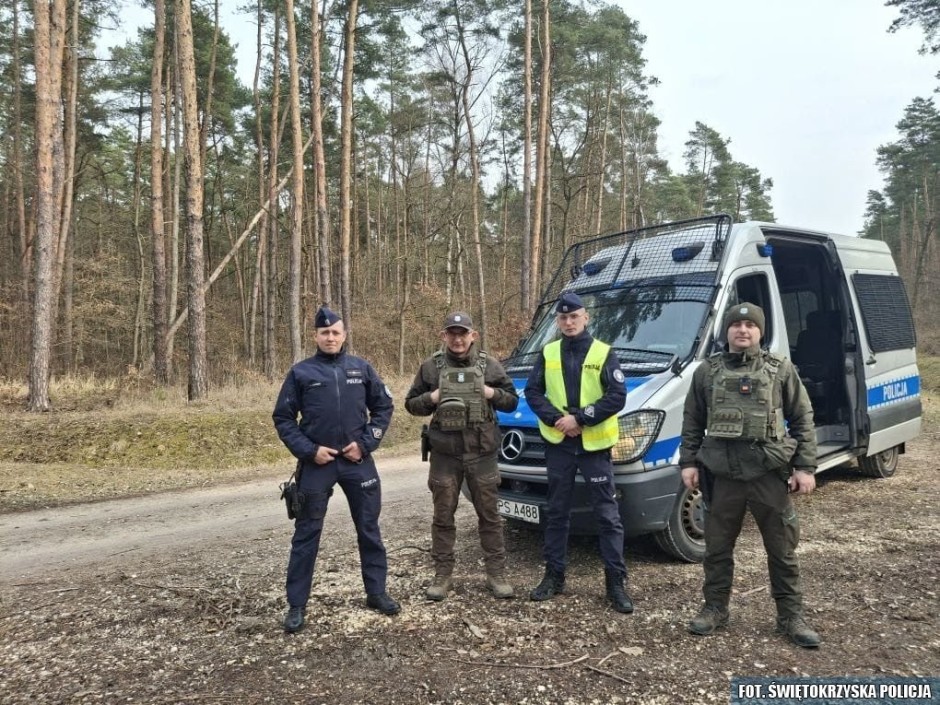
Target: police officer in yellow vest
<point>576,389</point>
<point>747,440</point>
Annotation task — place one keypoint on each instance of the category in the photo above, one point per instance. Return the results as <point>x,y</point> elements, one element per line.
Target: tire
<point>883,464</point>
<point>684,535</point>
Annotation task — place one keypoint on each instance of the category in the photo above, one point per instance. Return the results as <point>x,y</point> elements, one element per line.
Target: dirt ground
<point>178,598</point>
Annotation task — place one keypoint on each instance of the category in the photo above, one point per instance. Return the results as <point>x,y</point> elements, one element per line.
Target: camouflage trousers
<point>446,476</point>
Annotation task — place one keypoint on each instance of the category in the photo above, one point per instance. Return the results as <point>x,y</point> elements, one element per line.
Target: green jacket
<point>746,459</point>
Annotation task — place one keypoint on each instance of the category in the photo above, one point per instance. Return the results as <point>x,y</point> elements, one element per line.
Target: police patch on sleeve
<point>589,411</point>
<point>377,432</point>
<point>388,392</point>
<point>618,375</point>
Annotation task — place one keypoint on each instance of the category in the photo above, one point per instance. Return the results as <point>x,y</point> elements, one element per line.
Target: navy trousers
<point>563,465</point>
<point>363,490</point>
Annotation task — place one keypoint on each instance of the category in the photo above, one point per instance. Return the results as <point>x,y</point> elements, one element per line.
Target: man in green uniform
<point>462,386</point>
<point>760,445</point>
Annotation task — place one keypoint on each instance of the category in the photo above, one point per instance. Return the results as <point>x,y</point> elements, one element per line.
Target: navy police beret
<point>325,318</point>
<point>568,302</point>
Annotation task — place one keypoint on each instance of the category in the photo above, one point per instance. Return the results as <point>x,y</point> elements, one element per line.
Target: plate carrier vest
<point>463,401</point>
<point>742,402</point>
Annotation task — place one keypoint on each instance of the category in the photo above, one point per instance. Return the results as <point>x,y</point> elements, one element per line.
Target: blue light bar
<point>687,253</point>
<point>765,250</point>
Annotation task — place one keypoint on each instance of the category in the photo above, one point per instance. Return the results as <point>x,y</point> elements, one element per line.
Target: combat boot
<point>619,598</point>
<point>708,620</point>
<point>552,584</point>
<point>383,602</point>
<point>294,620</point>
<point>798,631</point>
<point>497,584</point>
<point>439,588</point>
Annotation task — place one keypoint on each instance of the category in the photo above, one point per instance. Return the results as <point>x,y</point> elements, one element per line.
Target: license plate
<point>518,510</point>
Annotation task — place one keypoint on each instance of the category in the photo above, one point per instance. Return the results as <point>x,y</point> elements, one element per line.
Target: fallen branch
<point>608,674</point>
<point>548,667</point>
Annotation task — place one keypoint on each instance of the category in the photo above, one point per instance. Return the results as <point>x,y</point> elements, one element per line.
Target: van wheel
<point>883,464</point>
<point>684,535</point>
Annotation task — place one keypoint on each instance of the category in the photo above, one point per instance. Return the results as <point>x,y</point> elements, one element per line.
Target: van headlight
<point>638,431</point>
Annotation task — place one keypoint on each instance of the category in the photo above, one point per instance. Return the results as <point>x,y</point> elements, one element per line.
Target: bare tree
<point>198,387</point>
<point>470,66</point>
<point>541,154</point>
<point>24,229</point>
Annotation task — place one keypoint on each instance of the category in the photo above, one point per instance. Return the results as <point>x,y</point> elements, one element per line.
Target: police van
<point>835,305</point>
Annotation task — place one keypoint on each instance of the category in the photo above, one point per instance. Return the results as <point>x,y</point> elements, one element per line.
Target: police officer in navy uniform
<point>332,413</point>
<point>576,389</point>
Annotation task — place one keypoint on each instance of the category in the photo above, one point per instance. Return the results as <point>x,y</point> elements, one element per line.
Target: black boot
<point>619,598</point>
<point>552,584</point>
<point>294,620</point>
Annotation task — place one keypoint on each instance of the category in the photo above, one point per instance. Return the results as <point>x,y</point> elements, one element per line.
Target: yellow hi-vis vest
<point>599,437</point>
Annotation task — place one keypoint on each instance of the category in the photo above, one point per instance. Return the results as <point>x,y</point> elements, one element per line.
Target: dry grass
<point>109,438</point>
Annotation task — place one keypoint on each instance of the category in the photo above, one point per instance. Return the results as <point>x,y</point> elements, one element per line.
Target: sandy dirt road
<point>128,531</point>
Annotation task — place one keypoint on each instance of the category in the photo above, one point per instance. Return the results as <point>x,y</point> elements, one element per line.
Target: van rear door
<point>890,410</point>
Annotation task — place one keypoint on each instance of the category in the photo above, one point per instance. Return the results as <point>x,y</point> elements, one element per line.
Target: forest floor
<point>177,597</point>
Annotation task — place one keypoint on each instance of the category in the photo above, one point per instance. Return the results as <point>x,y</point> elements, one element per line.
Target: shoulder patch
<point>388,392</point>
<point>377,433</point>
<point>618,375</point>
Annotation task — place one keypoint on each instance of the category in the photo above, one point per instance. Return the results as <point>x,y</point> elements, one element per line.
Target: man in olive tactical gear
<point>332,412</point>
<point>576,389</point>
<point>759,446</point>
<point>461,386</point>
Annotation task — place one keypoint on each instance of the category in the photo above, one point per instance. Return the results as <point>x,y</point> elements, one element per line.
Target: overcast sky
<point>805,89</point>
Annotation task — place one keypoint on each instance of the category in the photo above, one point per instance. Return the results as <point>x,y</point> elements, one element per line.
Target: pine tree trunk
<point>157,234</point>
<point>297,190</point>
<point>198,386</point>
<point>49,32</point>
<point>345,178</point>
<point>324,227</point>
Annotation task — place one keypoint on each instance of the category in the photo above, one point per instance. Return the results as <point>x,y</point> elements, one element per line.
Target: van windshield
<point>648,323</point>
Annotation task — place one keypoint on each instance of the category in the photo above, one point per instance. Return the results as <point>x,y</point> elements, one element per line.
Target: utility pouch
<point>451,414</point>
<point>292,496</point>
<point>425,443</point>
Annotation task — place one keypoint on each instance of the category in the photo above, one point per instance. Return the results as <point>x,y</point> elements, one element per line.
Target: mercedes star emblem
<point>512,445</point>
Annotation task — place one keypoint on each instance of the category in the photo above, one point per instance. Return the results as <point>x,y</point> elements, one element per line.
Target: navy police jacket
<point>331,400</point>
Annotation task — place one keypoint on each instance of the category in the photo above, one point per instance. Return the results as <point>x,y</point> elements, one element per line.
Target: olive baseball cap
<point>458,319</point>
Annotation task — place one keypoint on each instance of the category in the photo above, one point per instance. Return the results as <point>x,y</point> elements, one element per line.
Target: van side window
<point>886,312</point>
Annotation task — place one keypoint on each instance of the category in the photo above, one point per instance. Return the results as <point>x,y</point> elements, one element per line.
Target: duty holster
<point>291,494</point>
<point>706,483</point>
<point>425,443</point>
